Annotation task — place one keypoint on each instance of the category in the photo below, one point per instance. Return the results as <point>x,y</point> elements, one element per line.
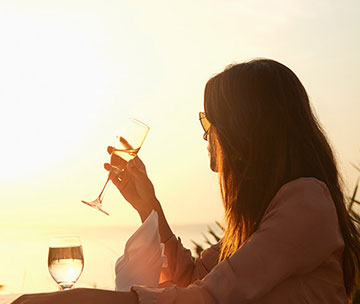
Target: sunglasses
<point>205,124</point>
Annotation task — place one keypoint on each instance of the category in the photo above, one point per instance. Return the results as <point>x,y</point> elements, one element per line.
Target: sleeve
<point>182,269</point>
<point>298,232</point>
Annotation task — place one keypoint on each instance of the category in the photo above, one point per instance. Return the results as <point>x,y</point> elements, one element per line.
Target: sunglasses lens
<point>204,122</point>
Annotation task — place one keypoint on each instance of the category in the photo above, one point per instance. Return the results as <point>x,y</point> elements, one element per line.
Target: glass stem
<point>102,193</point>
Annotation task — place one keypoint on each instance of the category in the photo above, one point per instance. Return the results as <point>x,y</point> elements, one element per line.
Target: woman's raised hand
<point>135,186</point>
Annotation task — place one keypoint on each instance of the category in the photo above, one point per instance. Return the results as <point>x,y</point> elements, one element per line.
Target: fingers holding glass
<point>124,151</point>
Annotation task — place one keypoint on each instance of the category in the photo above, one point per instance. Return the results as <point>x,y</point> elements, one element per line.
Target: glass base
<point>97,205</point>
<point>65,286</point>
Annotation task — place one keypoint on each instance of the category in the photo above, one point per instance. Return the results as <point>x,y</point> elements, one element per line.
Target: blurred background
<point>71,72</point>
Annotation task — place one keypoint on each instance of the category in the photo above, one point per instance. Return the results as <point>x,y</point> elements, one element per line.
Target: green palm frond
<point>220,226</point>
<point>207,241</point>
<point>355,215</point>
<point>352,200</point>
<point>356,167</point>
<point>198,249</point>
<point>356,201</point>
<point>213,234</point>
<point>356,298</point>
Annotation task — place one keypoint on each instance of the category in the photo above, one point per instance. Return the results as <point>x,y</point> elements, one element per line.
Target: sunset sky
<point>71,72</point>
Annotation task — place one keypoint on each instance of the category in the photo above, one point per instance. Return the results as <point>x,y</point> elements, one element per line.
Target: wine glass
<point>127,146</point>
<point>65,260</point>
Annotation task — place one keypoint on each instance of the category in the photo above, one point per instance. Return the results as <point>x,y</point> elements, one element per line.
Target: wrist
<point>144,212</point>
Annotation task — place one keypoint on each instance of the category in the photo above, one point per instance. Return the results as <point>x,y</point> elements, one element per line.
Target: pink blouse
<point>295,256</point>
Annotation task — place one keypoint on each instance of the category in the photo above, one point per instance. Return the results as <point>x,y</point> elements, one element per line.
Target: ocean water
<point>23,254</point>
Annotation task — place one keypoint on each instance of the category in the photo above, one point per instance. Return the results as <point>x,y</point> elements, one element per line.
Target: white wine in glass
<point>65,261</point>
<point>127,145</point>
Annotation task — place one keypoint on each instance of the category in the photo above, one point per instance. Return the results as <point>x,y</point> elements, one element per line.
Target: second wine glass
<point>65,260</point>
<point>128,144</point>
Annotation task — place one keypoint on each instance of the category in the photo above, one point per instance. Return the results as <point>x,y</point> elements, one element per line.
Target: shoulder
<point>304,196</point>
<point>303,212</point>
<point>304,186</point>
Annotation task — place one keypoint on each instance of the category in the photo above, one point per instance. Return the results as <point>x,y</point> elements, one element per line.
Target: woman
<point>288,237</point>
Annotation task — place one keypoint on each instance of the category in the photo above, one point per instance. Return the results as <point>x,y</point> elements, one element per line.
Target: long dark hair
<point>265,135</point>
